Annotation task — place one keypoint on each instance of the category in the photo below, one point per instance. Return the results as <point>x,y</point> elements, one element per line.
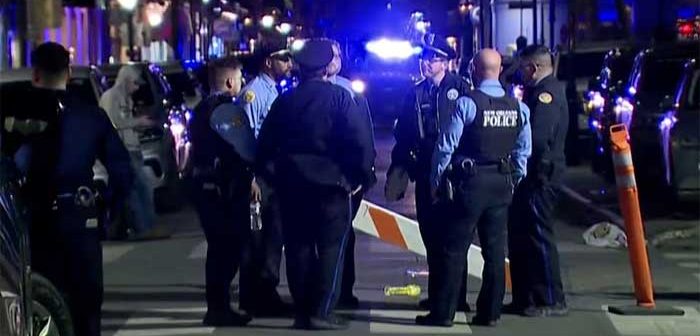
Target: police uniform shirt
<point>257,98</point>
<point>465,115</point>
<point>550,121</point>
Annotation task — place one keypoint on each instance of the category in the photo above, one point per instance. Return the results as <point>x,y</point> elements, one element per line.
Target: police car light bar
<point>392,49</point>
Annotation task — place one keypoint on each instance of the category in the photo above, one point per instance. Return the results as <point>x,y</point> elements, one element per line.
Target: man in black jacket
<point>55,140</point>
<point>428,108</point>
<point>315,142</point>
<point>534,259</point>
<point>222,141</point>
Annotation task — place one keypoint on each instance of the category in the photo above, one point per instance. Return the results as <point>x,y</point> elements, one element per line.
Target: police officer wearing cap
<point>262,257</point>
<point>222,156</point>
<point>313,139</point>
<point>347,298</point>
<point>536,279</point>
<point>55,140</point>
<point>482,153</point>
<point>430,104</point>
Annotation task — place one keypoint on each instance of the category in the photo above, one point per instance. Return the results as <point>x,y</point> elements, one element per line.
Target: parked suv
<point>599,103</point>
<point>678,136</point>
<point>655,76</point>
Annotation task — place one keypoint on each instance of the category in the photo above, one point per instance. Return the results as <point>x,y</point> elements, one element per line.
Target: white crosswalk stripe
<point>199,251</point>
<point>152,322</point>
<point>686,325</point>
<point>690,264</point>
<point>682,255</point>
<point>686,260</point>
<point>167,332</point>
<point>400,322</point>
<point>111,253</point>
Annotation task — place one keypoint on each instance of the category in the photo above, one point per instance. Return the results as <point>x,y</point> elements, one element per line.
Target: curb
<point>589,205</point>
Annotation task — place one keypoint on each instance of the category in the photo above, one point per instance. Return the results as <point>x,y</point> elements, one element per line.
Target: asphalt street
<point>157,288</point>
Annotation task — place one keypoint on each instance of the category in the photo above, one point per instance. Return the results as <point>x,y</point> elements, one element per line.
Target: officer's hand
<point>255,193</point>
<point>357,190</point>
<point>145,121</point>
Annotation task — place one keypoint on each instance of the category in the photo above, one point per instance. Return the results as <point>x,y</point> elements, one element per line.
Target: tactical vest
<point>207,146</point>
<point>492,134</point>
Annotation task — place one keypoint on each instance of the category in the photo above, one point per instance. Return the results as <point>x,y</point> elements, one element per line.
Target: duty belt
<point>83,199</point>
<point>469,166</point>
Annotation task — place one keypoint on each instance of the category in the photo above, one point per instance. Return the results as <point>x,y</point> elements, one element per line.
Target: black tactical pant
<point>68,252</point>
<point>348,281</point>
<point>316,228</point>
<point>223,214</point>
<point>532,249</point>
<point>430,219</point>
<point>263,256</point>
<point>481,201</point>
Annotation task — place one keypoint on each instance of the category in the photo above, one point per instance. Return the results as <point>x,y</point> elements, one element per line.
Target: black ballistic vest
<point>492,134</point>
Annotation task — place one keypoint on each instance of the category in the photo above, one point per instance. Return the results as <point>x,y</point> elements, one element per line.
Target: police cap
<point>314,54</point>
<point>436,46</point>
<point>274,50</point>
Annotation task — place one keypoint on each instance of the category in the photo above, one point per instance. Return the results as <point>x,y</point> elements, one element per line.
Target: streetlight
<point>284,28</point>
<point>129,6</point>
<point>267,21</point>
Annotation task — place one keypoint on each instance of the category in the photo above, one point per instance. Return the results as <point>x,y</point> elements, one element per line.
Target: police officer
<point>56,140</point>
<point>260,277</point>
<point>314,136</point>
<point>486,142</point>
<point>429,104</point>
<point>222,143</point>
<point>347,298</point>
<point>537,287</point>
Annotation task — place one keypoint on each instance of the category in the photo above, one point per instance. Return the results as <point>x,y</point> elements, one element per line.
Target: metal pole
<point>130,52</point>
<point>485,23</point>
<point>542,40</point>
<point>552,20</point>
<point>534,22</point>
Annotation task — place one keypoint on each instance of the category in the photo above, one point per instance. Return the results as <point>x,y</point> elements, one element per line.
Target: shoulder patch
<point>545,98</point>
<point>249,96</point>
<point>452,94</point>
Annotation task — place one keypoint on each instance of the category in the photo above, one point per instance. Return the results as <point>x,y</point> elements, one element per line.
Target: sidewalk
<point>594,200</point>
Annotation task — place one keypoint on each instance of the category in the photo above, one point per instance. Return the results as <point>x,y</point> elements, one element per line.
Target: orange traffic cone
<point>629,204</point>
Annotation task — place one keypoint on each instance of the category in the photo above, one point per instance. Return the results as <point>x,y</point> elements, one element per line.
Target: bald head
<point>487,65</point>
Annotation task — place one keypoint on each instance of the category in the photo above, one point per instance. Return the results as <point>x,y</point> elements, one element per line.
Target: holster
<point>83,202</point>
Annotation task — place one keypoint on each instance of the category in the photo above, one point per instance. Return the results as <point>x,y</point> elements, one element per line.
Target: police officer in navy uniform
<point>262,258</point>
<point>55,140</point>
<point>430,103</point>
<point>313,136</point>
<point>486,143</point>
<point>347,298</point>
<point>536,279</point>
<point>222,144</point>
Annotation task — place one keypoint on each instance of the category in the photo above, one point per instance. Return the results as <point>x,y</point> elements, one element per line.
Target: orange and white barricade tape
<point>403,232</point>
